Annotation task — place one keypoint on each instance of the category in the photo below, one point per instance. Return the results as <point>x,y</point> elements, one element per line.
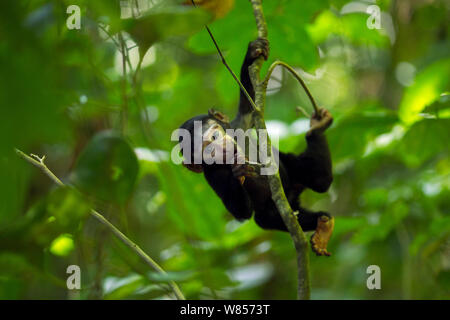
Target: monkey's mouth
<point>224,149</point>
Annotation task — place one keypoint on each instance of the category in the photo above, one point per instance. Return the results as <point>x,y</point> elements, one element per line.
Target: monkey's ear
<point>197,168</point>
<point>218,115</point>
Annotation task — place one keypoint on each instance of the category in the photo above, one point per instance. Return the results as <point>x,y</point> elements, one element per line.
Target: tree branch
<point>39,163</point>
<point>296,76</point>
<point>278,195</point>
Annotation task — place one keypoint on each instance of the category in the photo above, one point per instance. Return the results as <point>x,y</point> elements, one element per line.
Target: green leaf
<point>376,197</point>
<point>351,26</point>
<point>386,222</point>
<point>424,140</point>
<point>427,88</point>
<point>443,278</point>
<point>171,276</point>
<point>107,168</point>
<point>344,225</point>
<point>200,221</point>
<point>67,208</point>
<point>158,25</point>
<point>437,230</point>
<point>62,245</point>
<point>162,75</point>
<point>286,20</point>
<point>120,288</point>
<point>350,135</point>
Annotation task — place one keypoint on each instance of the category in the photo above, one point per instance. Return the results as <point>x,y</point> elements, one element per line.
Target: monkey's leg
<point>267,217</point>
<point>256,49</point>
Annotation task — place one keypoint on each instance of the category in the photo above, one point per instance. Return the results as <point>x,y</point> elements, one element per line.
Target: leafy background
<point>63,95</point>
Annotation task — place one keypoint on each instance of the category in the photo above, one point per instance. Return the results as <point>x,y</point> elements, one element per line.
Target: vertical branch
<point>259,17</point>
<point>278,195</point>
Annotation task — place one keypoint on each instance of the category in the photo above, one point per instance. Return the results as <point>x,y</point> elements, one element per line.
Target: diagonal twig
<point>296,76</point>
<point>39,163</point>
<point>252,103</point>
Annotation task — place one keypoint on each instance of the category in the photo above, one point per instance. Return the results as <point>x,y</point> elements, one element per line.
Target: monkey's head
<point>208,139</point>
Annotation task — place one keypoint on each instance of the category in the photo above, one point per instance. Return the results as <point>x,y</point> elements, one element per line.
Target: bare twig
<point>296,75</point>
<point>300,109</point>
<point>39,163</point>
<point>101,26</point>
<point>252,103</point>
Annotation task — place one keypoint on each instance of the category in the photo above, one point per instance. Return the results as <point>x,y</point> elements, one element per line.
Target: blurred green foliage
<point>64,95</point>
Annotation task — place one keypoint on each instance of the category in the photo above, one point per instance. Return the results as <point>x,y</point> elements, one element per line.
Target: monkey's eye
<point>215,136</point>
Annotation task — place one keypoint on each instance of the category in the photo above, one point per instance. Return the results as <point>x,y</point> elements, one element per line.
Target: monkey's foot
<point>240,171</point>
<point>322,235</point>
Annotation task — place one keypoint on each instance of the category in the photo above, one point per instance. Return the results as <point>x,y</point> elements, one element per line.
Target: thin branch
<point>138,68</point>
<point>124,83</point>
<point>300,109</point>
<point>227,66</point>
<point>296,75</point>
<point>276,187</point>
<point>117,44</point>
<point>101,26</point>
<point>39,163</point>
<point>261,24</point>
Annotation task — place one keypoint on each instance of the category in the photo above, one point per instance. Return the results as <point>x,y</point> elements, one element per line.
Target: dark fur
<point>311,169</point>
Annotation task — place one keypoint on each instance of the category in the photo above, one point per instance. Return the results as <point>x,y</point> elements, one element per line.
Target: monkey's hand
<point>320,122</point>
<point>320,238</point>
<point>248,169</point>
<point>258,48</point>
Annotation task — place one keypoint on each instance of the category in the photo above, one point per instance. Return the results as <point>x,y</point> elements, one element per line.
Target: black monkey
<point>243,196</point>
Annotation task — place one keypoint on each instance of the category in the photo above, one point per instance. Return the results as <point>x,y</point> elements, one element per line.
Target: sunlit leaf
<point>121,288</point>
<point>62,245</point>
<point>350,26</point>
<point>350,135</point>
<point>427,88</point>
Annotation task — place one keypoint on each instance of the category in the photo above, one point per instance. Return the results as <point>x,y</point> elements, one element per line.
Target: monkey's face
<point>209,142</point>
<point>217,145</point>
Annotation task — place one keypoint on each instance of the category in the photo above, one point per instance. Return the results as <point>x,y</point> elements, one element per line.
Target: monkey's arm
<point>312,168</point>
<point>230,190</point>
<point>257,48</point>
